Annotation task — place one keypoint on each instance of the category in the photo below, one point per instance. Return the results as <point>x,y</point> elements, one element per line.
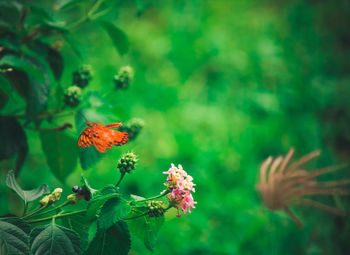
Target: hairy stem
<point>120,179</point>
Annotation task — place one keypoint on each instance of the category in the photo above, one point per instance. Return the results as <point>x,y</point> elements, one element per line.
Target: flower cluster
<point>180,185</point>
<point>127,162</point>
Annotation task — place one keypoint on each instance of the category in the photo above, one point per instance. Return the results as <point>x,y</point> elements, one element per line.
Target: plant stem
<point>155,197</point>
<point>120,179</point>
<point>25,208</point>
<point>38,209</point>
<point>88,15</point>
<point>53,209</point>
<point>135,217</point>
<point>56,216</point>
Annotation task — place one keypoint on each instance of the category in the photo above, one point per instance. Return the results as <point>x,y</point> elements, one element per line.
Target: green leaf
<point>55,60</point>
<point>71,3</point>
<point>14,236</point>
<point>61,152</point>
<point>10,12</point>
<point>112,211</point>
<point>119,38</point>
<point>98,201</point>
<point>23,64</point>
<point>52,57</point>
<point>52,239</point>
<point>26,195</point>
<point>13,140</point>
<point>37,98</point>
<point>74,44</point>
<point>114,241</point>
<point>3,247</point>
<point>3,99</point>
<point>145,228</point>
<point>80,224</point>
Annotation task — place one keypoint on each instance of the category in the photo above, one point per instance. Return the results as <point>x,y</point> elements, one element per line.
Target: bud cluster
<point>133,127</point>
<point>156,208</point>
<point>72,96</point>
<point>52,198</point>
<point>127,163</point>
<point>82,76</point>
<point>124,77</point>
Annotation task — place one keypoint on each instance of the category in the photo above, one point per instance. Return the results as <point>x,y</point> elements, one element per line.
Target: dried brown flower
<point>282,185</point>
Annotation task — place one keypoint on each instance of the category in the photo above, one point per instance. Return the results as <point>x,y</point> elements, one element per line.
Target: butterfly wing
<point>103,138</point>
<point>85,138</point>
<point>114,125</point>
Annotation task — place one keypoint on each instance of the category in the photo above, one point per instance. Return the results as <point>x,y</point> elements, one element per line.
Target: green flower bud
<point>52,198</point>
<point>156,208</point>
<point>133,127</point>
<point>56,195</point>
<point>127,162</point>
<point>72,96</point>
<point>82,76</point>
<point>74,198</point>
<point>124,77</point>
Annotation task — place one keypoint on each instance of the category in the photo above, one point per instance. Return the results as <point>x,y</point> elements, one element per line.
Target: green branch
<point>55,216</point>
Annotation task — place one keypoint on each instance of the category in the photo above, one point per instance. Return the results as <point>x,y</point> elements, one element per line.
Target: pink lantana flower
<point>180,185</point>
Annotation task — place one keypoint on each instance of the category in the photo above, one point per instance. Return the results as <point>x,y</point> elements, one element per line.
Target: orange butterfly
<point>102,136</point>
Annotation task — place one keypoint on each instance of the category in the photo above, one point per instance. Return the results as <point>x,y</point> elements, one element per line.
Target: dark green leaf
<point>112,211</point>
<point>26,195</point>
<point>3,99</point>
<point>99,199</point>
<point>14,236</point>
<point>119,38</point>
<point>146,228</point>
<point>114,241</point>
<point>74,44</point>
<point>23,64</point>
<point>52,239</point>
<point>80,224</point>
<point>71,3</point>
<point>10,12</point>
<point>3,247</point>
<point>61,152</point>
<point>52,56</point>
<point>55,60</point>
<point>37,99</point>
<point>13,140</point>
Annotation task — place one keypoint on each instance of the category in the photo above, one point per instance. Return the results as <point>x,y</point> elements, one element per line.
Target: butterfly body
<point>102,136</point>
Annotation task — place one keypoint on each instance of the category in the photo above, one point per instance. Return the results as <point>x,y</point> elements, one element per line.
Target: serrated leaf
<point>14,236</point>
<point>114,241</point>
<point>98,201</point>
<point>52,239</point>
<point>112,211</point>
<point>146,228</point>
<point>61,152</point>
<point>80,224</point>
<point>119,38</point>
<point>26,195</point>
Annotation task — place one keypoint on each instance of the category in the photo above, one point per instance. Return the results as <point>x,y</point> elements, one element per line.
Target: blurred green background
<point>221,85</point>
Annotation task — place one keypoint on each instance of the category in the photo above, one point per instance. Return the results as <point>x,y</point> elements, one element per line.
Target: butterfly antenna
<point>81,115</point>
